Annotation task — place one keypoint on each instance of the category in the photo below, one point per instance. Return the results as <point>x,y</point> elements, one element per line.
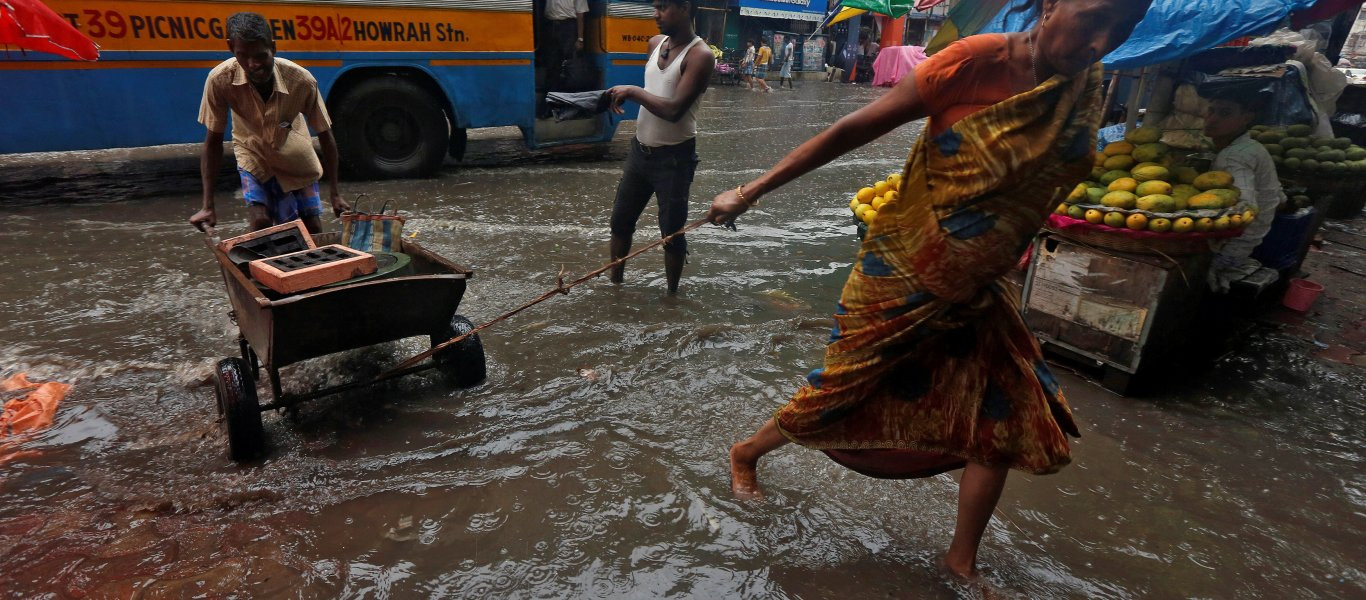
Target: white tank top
<point>653,130</point>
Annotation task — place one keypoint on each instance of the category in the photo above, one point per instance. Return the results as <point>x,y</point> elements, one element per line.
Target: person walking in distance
<point>663,153</point>
<point>747,64</point>
<point>930,367</point>
<point>789,55</point>
<point>273,103</point>
<point>761,62</point>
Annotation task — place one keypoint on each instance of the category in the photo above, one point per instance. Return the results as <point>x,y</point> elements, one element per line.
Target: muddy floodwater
<point>592,463</point>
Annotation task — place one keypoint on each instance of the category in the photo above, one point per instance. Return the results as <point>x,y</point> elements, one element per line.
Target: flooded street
<point>592,463</point>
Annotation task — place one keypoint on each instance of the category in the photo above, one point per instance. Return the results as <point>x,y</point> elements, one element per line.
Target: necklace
<point>1033,58</point>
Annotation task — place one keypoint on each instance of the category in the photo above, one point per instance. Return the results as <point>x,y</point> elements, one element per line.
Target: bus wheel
<point>389,127</point>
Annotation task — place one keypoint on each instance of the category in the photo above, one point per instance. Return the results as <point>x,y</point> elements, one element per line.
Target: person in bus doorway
<point>1228,118</point>
<point>761,62</point>
<point>663,154</point>
<point>564,19</point>
<point>273,103</point>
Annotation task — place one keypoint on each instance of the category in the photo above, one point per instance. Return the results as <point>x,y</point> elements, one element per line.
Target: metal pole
<point>1135,95</point>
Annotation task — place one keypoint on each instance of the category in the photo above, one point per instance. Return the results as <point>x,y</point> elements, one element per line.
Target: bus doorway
<point>569,58</point>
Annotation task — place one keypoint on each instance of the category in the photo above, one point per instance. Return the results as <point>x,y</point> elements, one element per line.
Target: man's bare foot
<point>744,476</point>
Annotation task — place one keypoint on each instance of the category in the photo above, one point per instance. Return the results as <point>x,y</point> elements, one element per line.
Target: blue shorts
<point>282,206</point>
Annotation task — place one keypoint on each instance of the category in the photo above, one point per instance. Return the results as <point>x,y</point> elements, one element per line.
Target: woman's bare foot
<point>744,475</point>
<point>968,577</point>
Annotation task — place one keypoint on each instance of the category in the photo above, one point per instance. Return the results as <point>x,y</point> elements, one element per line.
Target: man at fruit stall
<point>1228,118</point>
<point>273,103</point>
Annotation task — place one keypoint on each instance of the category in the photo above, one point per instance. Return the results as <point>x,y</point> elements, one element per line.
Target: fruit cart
<point>414,292</point>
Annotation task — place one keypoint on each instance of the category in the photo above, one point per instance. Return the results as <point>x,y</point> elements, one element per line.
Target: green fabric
<point>966,18</point>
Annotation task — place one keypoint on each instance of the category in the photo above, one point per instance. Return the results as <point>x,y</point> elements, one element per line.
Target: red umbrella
<point>30,24</point>
<point>927,4</point>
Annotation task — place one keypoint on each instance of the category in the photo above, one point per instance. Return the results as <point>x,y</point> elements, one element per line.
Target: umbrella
<point>891,8</point>
<point>31,25</point>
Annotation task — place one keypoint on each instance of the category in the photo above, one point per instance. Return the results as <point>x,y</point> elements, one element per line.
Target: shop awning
<point>1172,29</point>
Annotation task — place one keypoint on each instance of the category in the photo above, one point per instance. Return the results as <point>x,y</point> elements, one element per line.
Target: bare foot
<point>744,476</point>
<point>968,577</point>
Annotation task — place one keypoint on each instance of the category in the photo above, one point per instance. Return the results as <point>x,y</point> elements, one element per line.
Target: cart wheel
<point>463,363</point>
<point>236,391</point>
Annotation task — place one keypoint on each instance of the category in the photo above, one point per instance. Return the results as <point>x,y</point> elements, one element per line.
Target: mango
<point>1115,218</point>
<point>1205,201</point>
<point>1161,203</point>
<point>1118,149</point>
<point>1097,172</point>
<point>1122,162</point>
<point>1160,225</point>
<point>1228,197</point>
<point>1213,180</point>
<point>1123,184</point>
<point>1148,188</point>
<point>1120,199</point>
<point>1110,176</point>
<point>1143,135</point>
<point>1185,175</point>
<point>1150,152</point>
<point>1078,194</point>
<point>1151,174</point>
<point>1094,194</point>
<point>1183,191</point>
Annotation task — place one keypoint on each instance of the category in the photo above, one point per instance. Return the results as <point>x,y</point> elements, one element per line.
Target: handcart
<point>418,297</point>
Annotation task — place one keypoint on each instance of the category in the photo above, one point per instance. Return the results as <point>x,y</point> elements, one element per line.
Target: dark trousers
<point>559,43</point>
<point>665,172</point>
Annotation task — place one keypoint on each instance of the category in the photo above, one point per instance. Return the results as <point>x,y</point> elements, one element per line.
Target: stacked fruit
<point>1297,153</point>
<point>868,201</point>
<point>1134,185</point>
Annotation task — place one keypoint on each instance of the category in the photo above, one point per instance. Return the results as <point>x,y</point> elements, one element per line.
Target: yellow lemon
<point>865,195</point>
<point>894,180</point>
<point>1094,216</point>
<point>1204,224</point>
<point>1114,218</point>
<point>1183,225</point>
<point>862,210</point>
<point>878,202</point>
<point>854,204</point>
<point>1221,223</point>
<point>891,195</point>
<point>880,188</point>
<point>869,215</point>
<point>1137,222</point>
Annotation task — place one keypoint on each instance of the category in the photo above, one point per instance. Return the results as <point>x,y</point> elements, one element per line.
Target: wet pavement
<point>593,461</point>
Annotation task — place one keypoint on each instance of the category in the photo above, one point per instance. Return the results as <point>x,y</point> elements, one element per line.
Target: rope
<point>561,288</point>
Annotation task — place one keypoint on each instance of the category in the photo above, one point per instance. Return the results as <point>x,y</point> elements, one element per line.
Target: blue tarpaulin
<point>1175,29</point>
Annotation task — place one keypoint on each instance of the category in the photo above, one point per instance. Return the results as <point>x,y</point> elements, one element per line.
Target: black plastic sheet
<point>567,106</point>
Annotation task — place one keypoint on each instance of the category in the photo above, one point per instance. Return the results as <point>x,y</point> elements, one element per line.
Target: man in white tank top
<point>664,151</point>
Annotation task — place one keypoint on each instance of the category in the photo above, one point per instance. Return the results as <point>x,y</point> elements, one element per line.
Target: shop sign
<point>796,10</point>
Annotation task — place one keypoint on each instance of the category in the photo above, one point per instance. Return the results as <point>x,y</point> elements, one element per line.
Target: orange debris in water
<point>31,405</point>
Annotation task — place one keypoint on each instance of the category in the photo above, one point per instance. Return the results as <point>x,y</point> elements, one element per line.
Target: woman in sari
<point>930,367</point>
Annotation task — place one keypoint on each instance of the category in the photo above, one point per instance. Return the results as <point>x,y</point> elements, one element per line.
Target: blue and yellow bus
<point>403,79</point>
